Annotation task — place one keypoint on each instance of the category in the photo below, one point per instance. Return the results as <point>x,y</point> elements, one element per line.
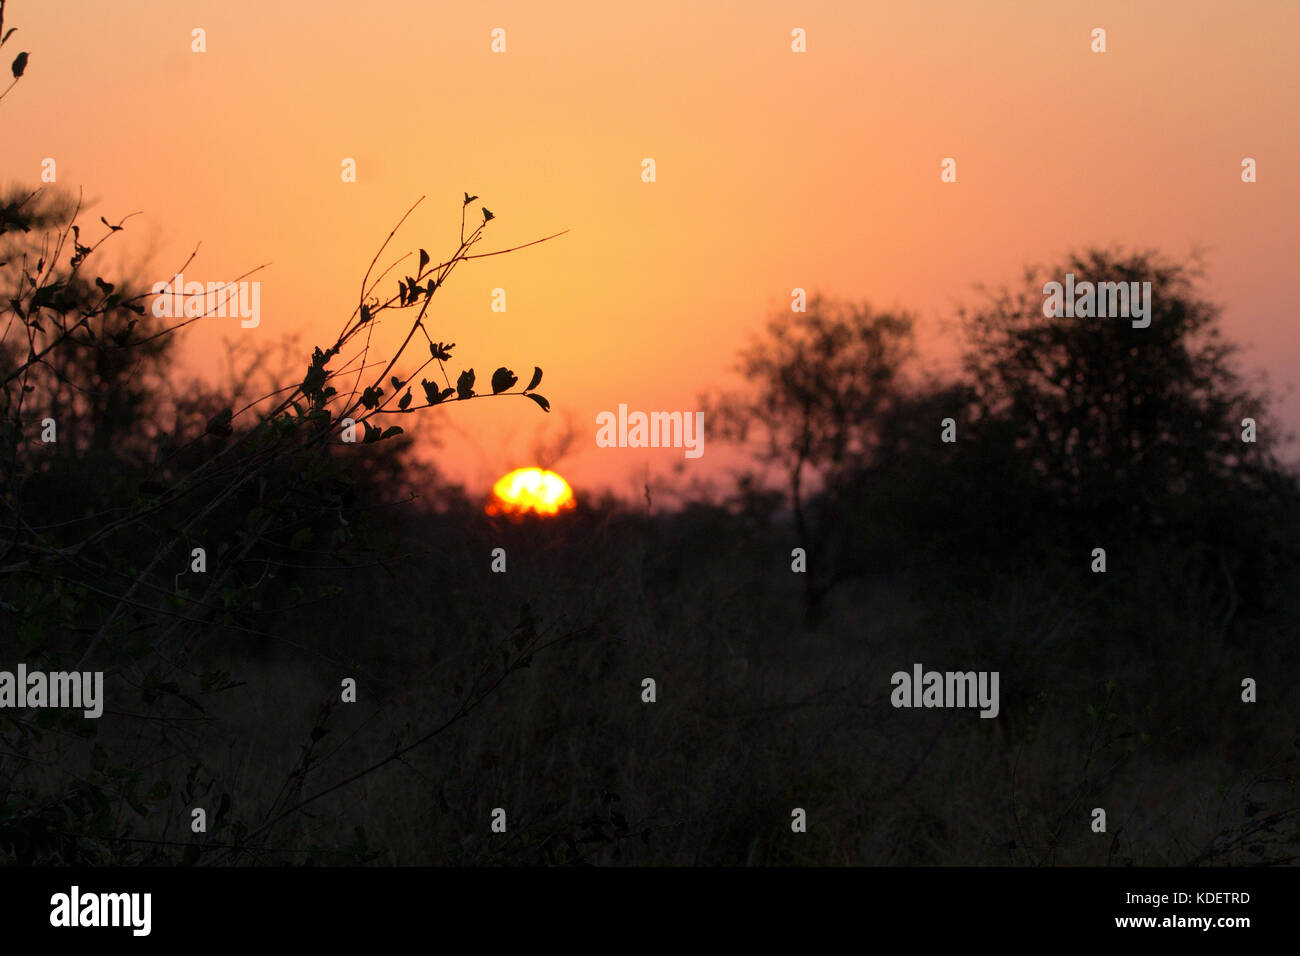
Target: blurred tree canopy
<point>1120,423</point>
<point>1068,430</point>
<point>823,382</point>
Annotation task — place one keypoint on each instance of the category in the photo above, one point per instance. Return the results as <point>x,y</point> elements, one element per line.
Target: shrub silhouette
<point>98,575</point>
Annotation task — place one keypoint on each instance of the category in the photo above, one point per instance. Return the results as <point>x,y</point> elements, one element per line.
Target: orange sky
<point>775,170</point>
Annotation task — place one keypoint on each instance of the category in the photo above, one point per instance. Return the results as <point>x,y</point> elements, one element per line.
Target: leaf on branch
<point>370,397</point>
<point>122,337</point>
<point>365,314</point>
<point>314,379</point>
<point>20,62</point>
<point>536,379</point>
<point>540,400</point>
<point>424,260</point>
<point>219,424</point>
<point>390,431</point>
<point>110,225</point>
<point>404,400</point>
<point>45,295</point>
<point>408,290</point>
<point>503,379</point>
<point>487,214</point>
<point>465,384</point>
<point>433,395</point>
<point>469,199</point>
<point>441,350</point>
<point>397,382</point>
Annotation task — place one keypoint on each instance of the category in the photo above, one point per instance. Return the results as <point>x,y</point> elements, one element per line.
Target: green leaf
<point>536,379</point>
<point>502,379</point>
<point>546,406</point>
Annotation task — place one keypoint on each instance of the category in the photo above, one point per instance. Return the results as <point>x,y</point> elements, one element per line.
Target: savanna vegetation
<point>523,691</point>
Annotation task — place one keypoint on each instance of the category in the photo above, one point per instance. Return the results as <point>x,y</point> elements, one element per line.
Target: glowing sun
<point>530,489</point>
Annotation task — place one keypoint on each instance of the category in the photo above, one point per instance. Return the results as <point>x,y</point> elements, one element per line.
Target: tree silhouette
<point>823,381</point>
<point>1120,424</point>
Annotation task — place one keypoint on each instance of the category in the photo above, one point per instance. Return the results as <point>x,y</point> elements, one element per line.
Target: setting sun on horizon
<point>533,490</point>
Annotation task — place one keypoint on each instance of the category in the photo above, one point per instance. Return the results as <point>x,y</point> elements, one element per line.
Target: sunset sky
<point>775,170</point>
